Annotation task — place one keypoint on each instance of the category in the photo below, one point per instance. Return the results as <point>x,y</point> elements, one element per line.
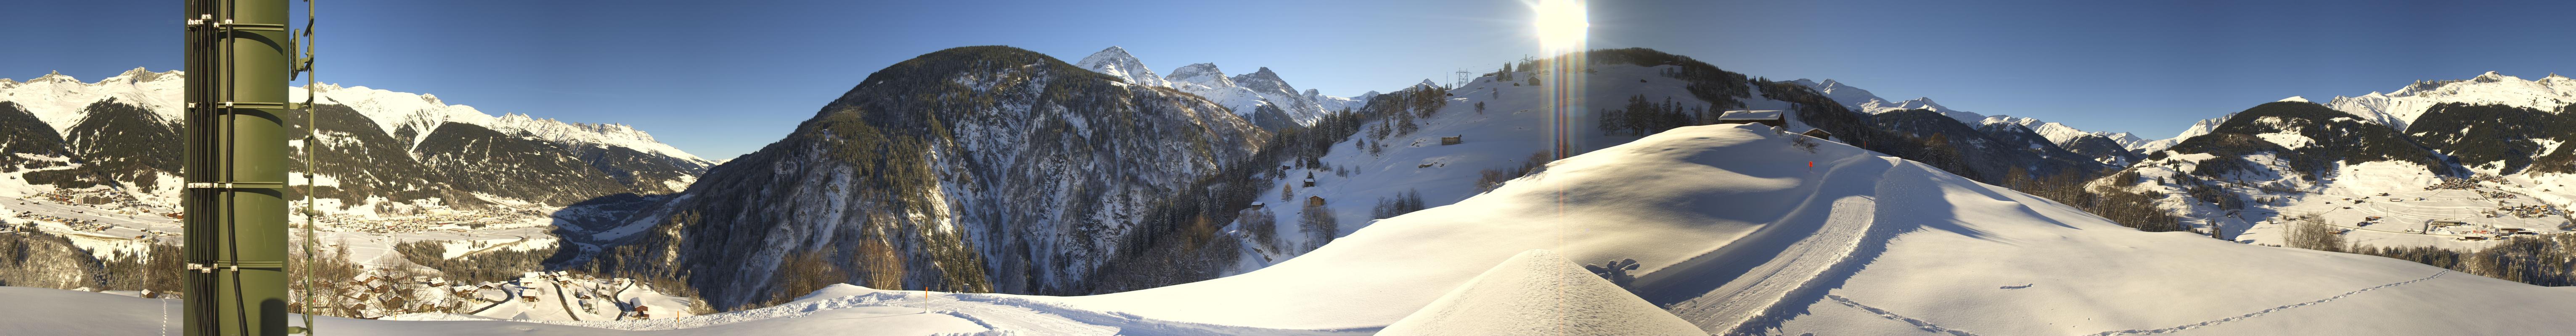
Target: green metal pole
<point>237,66</point>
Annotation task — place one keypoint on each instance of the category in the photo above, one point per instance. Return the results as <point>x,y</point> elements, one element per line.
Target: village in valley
<point>385,284</point>
<point>543,296</point>
<point>2451,212</point>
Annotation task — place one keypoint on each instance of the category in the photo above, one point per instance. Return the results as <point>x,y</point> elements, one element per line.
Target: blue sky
<point>723,78</point>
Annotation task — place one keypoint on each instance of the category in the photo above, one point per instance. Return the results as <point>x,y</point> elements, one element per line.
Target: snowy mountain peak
<point>1116,62</point>
<point>1850,97</point>
<point>1205,74</point>
<point>1865,102</point>
<point>1247,93</point>
<point>2295,99</point>
<point>2204,126</point>
<point>1426,82</point>
<point>1264,81</point>
<point>2491,77</point>
<point>2057,133</point>
<point>54,77</point>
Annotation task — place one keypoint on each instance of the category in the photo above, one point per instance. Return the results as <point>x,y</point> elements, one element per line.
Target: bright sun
<point>1561,23</point>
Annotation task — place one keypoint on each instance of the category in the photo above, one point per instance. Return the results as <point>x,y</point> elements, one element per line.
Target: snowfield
<point>1733,233</point>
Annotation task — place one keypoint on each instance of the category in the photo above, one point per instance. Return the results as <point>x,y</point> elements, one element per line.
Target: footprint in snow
<point>2021,286</point>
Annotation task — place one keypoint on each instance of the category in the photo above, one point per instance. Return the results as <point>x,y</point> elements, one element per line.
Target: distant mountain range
<point>381,152</point>
<point>1260,96</point>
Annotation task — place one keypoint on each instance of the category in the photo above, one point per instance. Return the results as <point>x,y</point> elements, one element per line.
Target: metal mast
<point>238,65</point>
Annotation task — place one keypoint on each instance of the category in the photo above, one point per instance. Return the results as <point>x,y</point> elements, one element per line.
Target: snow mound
<point>1540,292</point>
<point>2295,99</point>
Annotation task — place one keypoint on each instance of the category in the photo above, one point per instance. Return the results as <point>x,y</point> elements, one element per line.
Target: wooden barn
<point>1819,134</point>
<point>1774,118</point>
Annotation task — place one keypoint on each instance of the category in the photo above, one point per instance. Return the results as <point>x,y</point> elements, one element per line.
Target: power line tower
<point>1463,77</point>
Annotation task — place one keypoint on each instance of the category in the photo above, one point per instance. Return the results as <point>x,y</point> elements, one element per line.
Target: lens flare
<point>1561,23</point>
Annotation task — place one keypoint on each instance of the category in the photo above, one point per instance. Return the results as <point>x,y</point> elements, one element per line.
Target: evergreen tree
<point>1404,124</point>
<point>1611,121</point>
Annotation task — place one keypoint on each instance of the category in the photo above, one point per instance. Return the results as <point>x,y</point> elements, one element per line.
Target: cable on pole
<point>304,65</point>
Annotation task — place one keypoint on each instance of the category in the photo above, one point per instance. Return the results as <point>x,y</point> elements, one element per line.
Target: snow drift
<point>1539,292</point>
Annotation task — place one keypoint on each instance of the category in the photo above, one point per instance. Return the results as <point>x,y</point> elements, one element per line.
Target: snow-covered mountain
<point>2198,128</point>
<point>1264,99</point>
<point>1858,99</point>
<point>2399,109</point>
<point>2297,156</point>
<point>1337,104</point>
<point>1253,96</point>
<point>1731,231</point>
<point>2116,149</point>
<point>1866,102</point>
<point>414,116</point>
<point>383,149</point>
<point>1850,97</point>
<point>1117,63</point>
<point>2061,133</point>
<point>1028,193</point>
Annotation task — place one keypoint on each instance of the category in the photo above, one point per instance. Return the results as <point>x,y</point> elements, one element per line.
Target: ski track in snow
<point>1830,245</point>
<point>1928,326</point>
<point>1918,324</point>
<point>2266,311</point>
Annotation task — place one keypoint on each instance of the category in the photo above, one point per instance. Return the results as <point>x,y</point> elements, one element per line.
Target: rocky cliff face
<point>968,169</point>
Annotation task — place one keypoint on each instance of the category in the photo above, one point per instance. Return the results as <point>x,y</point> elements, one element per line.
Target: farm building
<point>1819,134</point>
<point>1774,118</point>
<point>1452,140</point>
<point>1314,201</point>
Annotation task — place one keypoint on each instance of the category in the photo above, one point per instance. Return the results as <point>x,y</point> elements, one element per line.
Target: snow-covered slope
<point>1512,129</point>
<point>2399,109</point>
<point>1734,233</point>
<point>1539,292</point>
